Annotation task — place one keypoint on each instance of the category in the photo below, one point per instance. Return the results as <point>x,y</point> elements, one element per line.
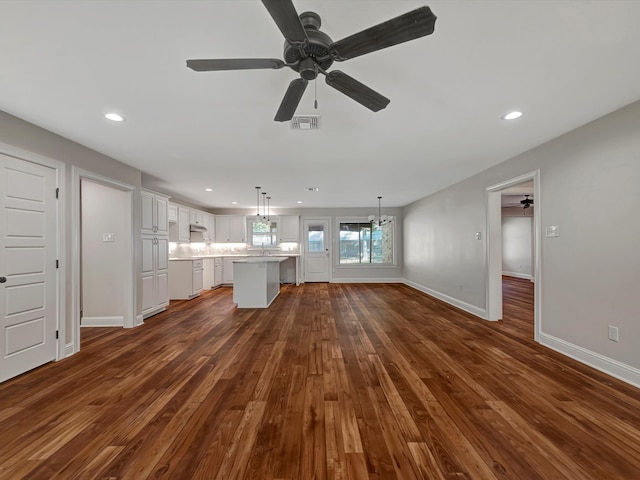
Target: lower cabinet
<point>227,271</point>
<point>155,274</point>
<point>212,274</point>
<point>185,278</point>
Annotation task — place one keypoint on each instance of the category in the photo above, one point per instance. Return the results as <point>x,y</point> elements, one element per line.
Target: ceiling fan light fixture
<point>513,115</point>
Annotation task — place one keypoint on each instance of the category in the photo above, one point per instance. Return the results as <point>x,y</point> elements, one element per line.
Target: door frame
<point>61,228</point>
<point>330,242</point>
<point>494,249</point>
<point>131,284</point>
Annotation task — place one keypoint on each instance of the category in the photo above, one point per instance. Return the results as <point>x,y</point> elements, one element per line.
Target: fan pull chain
<point>315,101</point>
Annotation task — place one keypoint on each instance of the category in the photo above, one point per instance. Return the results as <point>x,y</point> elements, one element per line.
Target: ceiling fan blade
<point>209,65</point>
<point>284,14</point>
<point>356,90</point>
<point>291,100</point>
<point>414,24</point>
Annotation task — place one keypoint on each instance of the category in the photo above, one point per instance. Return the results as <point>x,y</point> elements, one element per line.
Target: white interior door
<point>316,250</point>
<point>28,279</point>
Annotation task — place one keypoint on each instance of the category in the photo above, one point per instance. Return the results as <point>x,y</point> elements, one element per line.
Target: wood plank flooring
<point>334,381</point>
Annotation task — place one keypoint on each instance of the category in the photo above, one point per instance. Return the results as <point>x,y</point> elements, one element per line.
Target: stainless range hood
<point>197,228</point>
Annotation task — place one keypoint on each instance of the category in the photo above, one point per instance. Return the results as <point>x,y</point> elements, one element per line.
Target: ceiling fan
<point>309,51</point>
<point>527,202</point>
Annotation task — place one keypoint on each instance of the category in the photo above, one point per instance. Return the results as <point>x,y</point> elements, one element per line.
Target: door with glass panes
<point>316,249</point>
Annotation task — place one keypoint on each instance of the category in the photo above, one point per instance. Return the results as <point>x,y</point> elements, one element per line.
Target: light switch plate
<point>551,231</point>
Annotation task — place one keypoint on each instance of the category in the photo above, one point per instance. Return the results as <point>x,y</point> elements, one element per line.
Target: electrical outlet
<point>613,333</point>
<point>108,237</point>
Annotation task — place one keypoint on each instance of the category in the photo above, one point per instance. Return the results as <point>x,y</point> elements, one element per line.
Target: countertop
<point>254,259</point>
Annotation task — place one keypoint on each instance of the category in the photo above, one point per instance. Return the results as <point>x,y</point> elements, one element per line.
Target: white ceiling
<point>63,64</point>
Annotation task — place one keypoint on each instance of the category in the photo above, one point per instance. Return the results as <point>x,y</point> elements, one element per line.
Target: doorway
<point>104,279</point>
<point>494,300</point>
<point>316,248</point>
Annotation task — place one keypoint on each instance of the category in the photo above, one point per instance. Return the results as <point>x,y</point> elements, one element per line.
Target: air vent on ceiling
<point>305,122</point>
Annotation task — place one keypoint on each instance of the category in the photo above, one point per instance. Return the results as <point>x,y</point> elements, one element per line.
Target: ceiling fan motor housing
<point>316,52</point>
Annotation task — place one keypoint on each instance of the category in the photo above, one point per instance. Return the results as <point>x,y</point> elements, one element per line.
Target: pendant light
<point>258,201</point>
<point>382,219</point>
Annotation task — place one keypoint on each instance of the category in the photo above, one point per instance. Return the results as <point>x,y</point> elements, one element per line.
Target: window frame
<point>363,220</point>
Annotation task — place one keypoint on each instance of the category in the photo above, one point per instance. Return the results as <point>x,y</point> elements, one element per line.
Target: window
<point>365,243</point>
<point>263,233</point>
<point>315,241</point>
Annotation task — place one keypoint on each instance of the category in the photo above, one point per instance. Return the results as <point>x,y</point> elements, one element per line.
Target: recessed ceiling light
<point>234,203</point>
<point>208,189</point>
<point>114,117</point>
<point>299,201</point>
<point>512,115</point>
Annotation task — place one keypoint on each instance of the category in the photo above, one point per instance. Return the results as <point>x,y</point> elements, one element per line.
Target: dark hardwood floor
<point>334,381</point>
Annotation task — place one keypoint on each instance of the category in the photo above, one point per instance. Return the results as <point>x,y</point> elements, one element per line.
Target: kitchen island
<point>256,281</point>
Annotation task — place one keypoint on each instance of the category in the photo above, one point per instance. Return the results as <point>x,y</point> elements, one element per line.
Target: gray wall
<point>589,188</point>
<point>26,136</point>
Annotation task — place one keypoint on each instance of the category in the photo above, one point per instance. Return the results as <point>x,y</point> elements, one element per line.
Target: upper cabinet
<point>288,228</point>
<point>154,213</point>
<point>172,214</point>
<point>230,229</point>
<point>179,231</point>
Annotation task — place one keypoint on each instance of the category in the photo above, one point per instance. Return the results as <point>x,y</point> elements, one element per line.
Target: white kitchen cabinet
<point>208,275</point>
<point>212,275</point>
<point>227,270</point>
<point>172,213</point>
<point>230,229</point>
<point>155,274</point>
<point>217,272</point>
<point>288,228</point>
<point>154,213</point>
<point>185,278</point>
<point>196,217</point>
<point>209,224</point>
<point>180,232</point>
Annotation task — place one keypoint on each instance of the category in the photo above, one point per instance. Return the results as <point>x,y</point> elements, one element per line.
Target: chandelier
<point>382,219</point>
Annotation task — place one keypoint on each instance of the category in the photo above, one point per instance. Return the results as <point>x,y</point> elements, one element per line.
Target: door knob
<point>3,279</point>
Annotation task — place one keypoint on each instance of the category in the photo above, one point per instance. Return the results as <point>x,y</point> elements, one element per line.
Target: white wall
<point>517,242</point>
<point>104,264</point>
<point>589,188</point>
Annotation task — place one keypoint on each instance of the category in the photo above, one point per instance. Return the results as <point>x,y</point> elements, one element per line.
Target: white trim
<point>69,350</point>
<point>117,321</point>
<point>140,318</point>
<point>131,283</point>
<point>526,276</point>
<point>61,228</point>
<point>493,261</point>
<point>612,367</point>
<point>368,280</point>
<point>467,307</point>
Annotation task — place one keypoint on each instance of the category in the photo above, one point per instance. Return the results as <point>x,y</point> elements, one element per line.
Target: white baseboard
<point>607,365</point>
<point>139,320</point>
<point>367,280</point>
<point>69,350</point>
<point>518,275</point>
<point>102,322</point>
<point>467,307</point>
